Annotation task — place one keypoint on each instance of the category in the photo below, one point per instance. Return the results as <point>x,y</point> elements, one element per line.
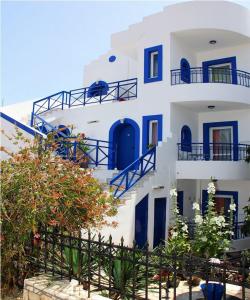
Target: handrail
<point>89,152</point>
<point>133,173</point>
<point>117,91</point>
<point>211,75</point>
<point>213,151</point>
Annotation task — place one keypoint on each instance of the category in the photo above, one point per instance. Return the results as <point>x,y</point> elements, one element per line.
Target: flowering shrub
<point>212,232</point>
<point>178,240</point>
<point>41,188</point>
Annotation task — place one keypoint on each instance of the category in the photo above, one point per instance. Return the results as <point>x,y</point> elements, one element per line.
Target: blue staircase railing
<point>133,173</point>
<point>87,152</point>
<point>117,91</point>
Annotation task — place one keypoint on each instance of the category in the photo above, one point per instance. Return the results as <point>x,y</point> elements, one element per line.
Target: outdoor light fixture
<point>212,42</point>
<point>158,187</point>
<point>211,107</point>
<point>94,121</point>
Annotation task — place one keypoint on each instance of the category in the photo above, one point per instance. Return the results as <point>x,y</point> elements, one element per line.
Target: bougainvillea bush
<point>40,188</point>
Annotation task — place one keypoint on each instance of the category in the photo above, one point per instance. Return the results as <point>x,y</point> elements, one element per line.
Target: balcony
<point>213,151</point>
<point>221,161</point>
<point>214,75</point>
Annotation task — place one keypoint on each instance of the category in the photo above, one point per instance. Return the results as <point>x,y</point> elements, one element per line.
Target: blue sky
<point>45,44</point>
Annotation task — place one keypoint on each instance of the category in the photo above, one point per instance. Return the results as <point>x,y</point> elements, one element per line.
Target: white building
<point>179,80</point>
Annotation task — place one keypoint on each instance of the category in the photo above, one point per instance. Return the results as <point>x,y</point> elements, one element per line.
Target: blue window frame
<point>153,64</point>
<point>186,139</point>
<point>146,123</point>
<point>206,66</point>
<point>206,137</point>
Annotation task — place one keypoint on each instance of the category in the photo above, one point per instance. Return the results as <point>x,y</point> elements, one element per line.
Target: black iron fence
<point>213,151</point>
<point>121,272</point>
<point>212,75</point>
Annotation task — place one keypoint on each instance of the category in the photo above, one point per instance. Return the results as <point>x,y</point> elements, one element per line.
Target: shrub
<point>40,188</point>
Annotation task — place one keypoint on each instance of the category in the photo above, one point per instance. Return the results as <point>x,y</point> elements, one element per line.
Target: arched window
<point>185,70</point>
<point>186,139</point>
<point>98,88</point>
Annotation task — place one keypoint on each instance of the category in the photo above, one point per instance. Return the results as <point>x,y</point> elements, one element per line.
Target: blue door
<point>159,220</point>
<point>180,202</point>
<point>124,145</point>
<point>141,222</point>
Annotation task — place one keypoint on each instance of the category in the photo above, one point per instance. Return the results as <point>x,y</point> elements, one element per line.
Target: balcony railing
<point>86,152</point>
<point>212,75</point>
<point>117,91</point>
<point>237,229</point>
<point>213,151</point>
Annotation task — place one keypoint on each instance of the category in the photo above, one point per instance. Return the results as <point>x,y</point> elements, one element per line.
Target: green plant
<point>39,188</point>
<point>178,242</point>
<point>212,232</point>
<point>246,226</point>
<point>124,267</point>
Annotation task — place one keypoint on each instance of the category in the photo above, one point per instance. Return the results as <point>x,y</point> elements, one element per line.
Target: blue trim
<point>147,53</point>
<point>185,70</point>
<point>186,139</point>
<point>111,155</point>
<point>160,205</point>
<point>207,64</point>
<point>145,128</point>
<point>234,194</point>
<point>112,58</point>
<point>19,125</point>
<point>206,135</point>
<point>141,222</point>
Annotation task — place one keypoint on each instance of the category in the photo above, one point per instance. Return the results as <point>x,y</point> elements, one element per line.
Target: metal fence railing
<point>212,75</point>
<point>213,151</point>
<point>122,272</point>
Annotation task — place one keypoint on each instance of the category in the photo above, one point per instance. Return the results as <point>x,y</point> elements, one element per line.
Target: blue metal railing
<point>118,91</point>
<point>133,173</point>
<point>213,151</point>
<point>87,152</point>
<point>212,75</point>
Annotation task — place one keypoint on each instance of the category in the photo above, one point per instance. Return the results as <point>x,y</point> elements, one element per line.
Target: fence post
<point>89,258</point>
<point>110,264</point>
<point>96,153</point>
<point>62,99</point>
<point>118,90</point>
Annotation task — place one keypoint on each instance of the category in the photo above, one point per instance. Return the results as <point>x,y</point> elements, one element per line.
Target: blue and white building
<point>167,105</point>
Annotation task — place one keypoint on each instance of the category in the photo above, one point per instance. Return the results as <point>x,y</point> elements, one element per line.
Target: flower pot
<point>212,291</point>
<point>194,281</point>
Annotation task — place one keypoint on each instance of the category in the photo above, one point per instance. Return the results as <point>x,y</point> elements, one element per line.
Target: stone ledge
<point>46,287</point>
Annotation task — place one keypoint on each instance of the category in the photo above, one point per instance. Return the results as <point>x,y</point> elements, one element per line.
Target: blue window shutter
<point>185,70</point>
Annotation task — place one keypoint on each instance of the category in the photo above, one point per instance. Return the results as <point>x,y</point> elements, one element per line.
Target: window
<point>221,143</point>
<point>153,64</point>
<point>221,73</point>
<point>221,70</point>
<point>153,133</point>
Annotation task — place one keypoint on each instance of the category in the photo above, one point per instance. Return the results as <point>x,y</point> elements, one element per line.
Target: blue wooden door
<point>125,146</point>
<point>141,222</point>
<point>180,202</point>
<point>159,220</point>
